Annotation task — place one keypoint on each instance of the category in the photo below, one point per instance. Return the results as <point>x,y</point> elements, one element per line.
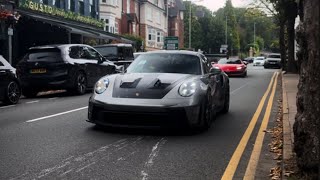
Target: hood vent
<point>133,84</point>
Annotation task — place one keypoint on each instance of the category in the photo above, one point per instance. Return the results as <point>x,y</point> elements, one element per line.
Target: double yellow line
<point>253,162</point>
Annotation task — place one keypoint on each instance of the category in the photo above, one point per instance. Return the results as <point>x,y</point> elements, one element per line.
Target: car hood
<point>146,85</point>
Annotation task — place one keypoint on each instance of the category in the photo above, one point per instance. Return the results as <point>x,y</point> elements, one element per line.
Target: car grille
<point>152,119</point>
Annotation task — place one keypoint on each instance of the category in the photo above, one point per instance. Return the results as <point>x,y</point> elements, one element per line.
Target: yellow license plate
<point>38,71</point>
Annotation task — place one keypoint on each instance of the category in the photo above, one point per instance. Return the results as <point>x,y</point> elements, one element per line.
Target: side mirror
<point>102,59</point>
<point>215,70</point>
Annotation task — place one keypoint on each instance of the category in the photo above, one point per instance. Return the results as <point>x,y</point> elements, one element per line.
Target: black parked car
<point>120,54</point>
<point>162,88</point>
<point>10,90</point>
<point>75,67</point>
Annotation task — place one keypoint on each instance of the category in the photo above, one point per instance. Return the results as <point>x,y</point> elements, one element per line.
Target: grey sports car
<point>161,88</point>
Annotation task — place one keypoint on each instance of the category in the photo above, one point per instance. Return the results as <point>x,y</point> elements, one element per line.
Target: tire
<point>244,74</point>
<point>13,93</point>
<point>29,93</point>
<point>226,105</point>
<point>80,83</point>
<point>207,114</point>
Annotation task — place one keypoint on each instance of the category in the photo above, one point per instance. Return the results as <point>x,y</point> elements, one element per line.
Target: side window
<point>90,54</point>
<point>1,64</point>
<point>75,52</point>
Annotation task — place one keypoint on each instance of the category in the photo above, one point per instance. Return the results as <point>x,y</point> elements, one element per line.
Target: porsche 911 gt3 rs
<point>161,88</point>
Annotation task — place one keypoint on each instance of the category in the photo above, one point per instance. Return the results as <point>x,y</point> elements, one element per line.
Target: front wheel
<point>226,105</point>
<point>13,93</point>
<point>207,114</point>
<point>80,86</point>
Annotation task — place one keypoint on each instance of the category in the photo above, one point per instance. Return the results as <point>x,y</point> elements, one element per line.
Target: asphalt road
<point>65,146</point>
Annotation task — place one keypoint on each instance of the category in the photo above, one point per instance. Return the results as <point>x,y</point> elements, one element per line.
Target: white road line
<point>30,102</point>
<point>85,167</point>
<point>53,98</point>
<point>232,92</point>
<point>154,153</point>
<point>3,107</point>
<point>58,114</point>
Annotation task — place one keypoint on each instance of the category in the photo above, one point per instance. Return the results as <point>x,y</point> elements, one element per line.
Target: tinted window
<point>1,64</point>
<point>75,52</point>
<point>107,51</point>
<point>89,53</point>
<point>274,56</point>
<point>47,54</point>
<point>166,63</point>
<point>229,61</point>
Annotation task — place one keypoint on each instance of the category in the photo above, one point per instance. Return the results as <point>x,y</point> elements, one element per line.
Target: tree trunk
<point>291,14</point>
<point>282,44</point>
<point>307,124</point>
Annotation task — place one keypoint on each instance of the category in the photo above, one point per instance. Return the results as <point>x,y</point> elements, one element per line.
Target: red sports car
<point>232,67</point>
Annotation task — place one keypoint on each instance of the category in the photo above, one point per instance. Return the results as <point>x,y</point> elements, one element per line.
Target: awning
<point>75,28</point>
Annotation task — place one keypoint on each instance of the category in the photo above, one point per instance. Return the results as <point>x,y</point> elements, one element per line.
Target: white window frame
<point>116,27</point>
<point>151,34</point>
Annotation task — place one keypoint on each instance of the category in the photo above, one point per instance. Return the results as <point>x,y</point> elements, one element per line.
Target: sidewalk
<point>290,89</point>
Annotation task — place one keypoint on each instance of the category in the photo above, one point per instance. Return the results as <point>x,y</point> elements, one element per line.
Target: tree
<point>286,12</point>
<point>307,124</point>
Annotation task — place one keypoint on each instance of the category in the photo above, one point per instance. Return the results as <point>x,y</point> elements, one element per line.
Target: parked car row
<point>74,67</point>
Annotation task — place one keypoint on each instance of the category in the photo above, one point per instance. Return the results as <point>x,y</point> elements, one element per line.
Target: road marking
<point>58,114</point>
<point>86,166</point>
<point>254,159</point>
<point>31,102</point>
<point>3,107</point>
<point>232,92</point>
<point>154,153</point>
<point>235,159</point>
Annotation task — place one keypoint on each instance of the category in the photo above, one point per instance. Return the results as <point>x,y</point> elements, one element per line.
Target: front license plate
<point>38,71</point>
<point>272,63</point>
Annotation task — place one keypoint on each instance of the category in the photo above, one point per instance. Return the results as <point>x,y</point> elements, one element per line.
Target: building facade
<point>131,17</point>
<point>176,23</point>
<point>153,23</point>
<point>111,14</point>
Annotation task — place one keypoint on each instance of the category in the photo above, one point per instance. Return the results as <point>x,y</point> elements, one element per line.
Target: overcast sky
<point>216,4</point>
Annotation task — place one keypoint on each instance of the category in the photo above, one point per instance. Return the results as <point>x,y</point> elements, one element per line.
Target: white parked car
<point>259,61</point>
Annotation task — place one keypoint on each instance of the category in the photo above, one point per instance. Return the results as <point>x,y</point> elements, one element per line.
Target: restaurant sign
<point>54,11</point>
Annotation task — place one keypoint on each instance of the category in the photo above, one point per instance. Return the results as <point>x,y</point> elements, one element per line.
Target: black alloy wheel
<point>81,83</point>
<point>13,93</point>
<point>207,113</point>
<point>226,105</point>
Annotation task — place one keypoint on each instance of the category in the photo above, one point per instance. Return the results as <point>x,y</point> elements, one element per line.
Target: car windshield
<point>259,58</point>
<point>107,51</point>
<point>166,63</point>
<point>229,61</point>
<point>47,54</point>
<point>274,56</point>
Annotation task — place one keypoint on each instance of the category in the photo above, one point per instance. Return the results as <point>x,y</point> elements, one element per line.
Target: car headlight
<point>239,68</point>
<point>101,86</point>
<point>187,89</point>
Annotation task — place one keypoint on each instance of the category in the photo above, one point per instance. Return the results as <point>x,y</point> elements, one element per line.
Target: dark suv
<point>120,54</point>
<point>75,67</point>
<point>9,86</point>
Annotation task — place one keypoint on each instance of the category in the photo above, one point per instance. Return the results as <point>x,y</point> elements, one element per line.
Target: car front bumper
<point>124,115</point>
